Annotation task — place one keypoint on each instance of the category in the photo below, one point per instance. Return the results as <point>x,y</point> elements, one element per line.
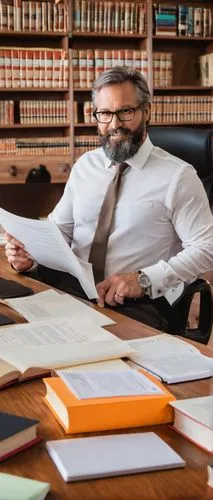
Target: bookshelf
<point>34,89</point>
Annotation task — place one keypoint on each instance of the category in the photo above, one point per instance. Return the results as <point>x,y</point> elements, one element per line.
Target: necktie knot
<point>121,167</point>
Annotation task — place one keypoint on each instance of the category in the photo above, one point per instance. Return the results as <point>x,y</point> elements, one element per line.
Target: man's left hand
<point>115,288</point>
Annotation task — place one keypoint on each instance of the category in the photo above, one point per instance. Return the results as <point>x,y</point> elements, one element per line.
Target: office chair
<point>195,147</point>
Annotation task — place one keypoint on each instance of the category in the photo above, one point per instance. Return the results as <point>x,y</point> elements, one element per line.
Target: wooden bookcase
<point>26,198</point>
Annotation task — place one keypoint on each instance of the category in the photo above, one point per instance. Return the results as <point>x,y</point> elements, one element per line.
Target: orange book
<point>99,414</point>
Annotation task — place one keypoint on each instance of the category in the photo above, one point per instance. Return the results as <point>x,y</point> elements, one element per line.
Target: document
<point>51,304</point>
<point>108,384</point>
<point>173,359</point>
<point>44,241</point>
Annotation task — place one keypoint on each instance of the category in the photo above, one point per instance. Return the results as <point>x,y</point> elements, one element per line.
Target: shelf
<point>34,33</point>
<point>32,89</point>
<point>85,125</point>
<point>183,87</point>
<point>80,89</point>
<point>106,35</point>
<point>35,125</point>
<point>177,38</point>
<point>41,157</point>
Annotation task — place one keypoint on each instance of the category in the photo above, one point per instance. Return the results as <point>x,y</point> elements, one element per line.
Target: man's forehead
<point>124,93</point>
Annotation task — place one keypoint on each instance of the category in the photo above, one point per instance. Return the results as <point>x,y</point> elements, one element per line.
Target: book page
<point>102,366</point>
<point>40,238</point>
<point>54,331</point>
<point>49,304</point>
<point>59,355</point>
<point>109,384</point>
<point>8,372</point>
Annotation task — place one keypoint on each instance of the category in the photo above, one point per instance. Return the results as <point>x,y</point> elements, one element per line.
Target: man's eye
<point>126,111</point>
<point>104,113</point>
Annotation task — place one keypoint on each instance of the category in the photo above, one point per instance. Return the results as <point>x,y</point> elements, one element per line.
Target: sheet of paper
<point>49,304</point>
<point>160,346</point>
<point>108,384</point>
<point>21,488</point>
<point>59,355</point>
<point>44,241</point>
<point>54,331</point>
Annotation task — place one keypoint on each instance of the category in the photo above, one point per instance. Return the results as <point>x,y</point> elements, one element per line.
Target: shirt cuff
<point>32,268</point>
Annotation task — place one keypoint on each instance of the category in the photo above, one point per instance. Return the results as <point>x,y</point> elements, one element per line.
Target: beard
<point>121,149</point>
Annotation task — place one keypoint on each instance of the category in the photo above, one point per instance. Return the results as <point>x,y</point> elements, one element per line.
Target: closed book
<point>16,434</point>
<point>112,455</point>
<point>194,420</point>
<point>21,488</point>
<point>98,414</point>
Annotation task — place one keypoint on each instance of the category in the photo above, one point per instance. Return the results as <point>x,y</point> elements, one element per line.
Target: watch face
<point>144,281</point>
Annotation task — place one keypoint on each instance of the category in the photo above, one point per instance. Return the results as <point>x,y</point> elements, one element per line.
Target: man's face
<point>121,139</point>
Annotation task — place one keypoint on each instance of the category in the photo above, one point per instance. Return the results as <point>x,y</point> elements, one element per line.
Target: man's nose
<point>115,123</point>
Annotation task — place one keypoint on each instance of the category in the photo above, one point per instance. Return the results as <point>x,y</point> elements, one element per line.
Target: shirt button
<point>158,291</point>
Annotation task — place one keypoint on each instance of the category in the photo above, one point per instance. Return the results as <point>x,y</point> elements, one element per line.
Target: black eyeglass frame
<point>95,113</point>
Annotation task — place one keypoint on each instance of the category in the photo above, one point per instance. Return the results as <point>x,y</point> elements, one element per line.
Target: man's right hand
<point>16,254</point>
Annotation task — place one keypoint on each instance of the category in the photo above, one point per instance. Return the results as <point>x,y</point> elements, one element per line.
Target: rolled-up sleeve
<point>188,210</point>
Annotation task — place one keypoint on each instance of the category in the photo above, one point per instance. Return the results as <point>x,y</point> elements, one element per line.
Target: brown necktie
<point>98,249</point>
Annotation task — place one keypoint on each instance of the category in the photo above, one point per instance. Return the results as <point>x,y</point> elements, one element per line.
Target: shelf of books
<point>34,89</point>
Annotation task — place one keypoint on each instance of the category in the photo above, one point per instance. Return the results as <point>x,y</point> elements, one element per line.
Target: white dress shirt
<point>162,221</point>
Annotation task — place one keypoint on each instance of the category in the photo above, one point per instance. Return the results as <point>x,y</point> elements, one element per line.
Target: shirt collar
<point>139,159</point>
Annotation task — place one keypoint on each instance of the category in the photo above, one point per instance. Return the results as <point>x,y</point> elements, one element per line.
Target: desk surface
<point>27,399</point>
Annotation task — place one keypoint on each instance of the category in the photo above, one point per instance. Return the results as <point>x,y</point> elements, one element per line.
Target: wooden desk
<point>27,399</point>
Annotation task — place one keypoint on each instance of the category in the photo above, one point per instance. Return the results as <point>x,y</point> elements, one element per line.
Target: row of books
<point>16,15</point>
<point>182,109</point>
<point>182,20</point>
<point>35,146</point>
<point>84,143</point>
<point>166,109</point>
<point>6,112</point>
<point>206,70</point>
<point>109,17</point>
<point>36,67</point>
<point>43,112</point>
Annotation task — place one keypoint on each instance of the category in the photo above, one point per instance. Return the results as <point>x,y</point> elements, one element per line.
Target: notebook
<point>112,455</point>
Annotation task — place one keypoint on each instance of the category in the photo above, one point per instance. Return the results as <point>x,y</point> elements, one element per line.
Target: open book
<point>33,349</point>
<point>172,359</point>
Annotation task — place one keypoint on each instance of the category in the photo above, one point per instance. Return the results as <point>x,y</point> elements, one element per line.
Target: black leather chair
<point>195,147</point>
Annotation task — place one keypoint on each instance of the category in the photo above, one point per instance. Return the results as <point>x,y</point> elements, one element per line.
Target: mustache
<point>122,130</point>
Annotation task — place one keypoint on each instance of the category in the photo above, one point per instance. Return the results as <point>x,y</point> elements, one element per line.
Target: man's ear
<point>147,113</point>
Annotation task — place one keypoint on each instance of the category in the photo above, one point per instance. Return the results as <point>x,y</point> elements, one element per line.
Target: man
<point>160,234</point>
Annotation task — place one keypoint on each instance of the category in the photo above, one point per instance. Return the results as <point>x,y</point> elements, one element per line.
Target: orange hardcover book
<point>99,414</point>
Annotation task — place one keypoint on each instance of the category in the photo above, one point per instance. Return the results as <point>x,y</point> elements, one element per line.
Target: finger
<point>119,298</point>
<point>110,296</point>
<point>102,288</point>
<point>14,241</point>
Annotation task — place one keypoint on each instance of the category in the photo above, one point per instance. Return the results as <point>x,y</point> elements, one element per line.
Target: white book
<point>111,455</point>
<point>194,420</point>
<point>51,304</point>
<point>172,359</point>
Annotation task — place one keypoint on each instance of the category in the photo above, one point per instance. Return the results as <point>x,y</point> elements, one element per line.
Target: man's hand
<point>16,254</point>
<point>115,288</point>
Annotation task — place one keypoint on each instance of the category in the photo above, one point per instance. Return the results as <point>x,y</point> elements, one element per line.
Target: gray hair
<point>122,74</point>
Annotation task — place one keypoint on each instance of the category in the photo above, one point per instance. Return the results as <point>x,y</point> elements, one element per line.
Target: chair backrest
<point>191,145</point>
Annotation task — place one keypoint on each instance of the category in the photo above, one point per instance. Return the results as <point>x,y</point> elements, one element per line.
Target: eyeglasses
<point>124,115</point>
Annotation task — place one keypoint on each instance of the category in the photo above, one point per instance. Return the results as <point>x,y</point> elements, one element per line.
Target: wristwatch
<point>145,283</point>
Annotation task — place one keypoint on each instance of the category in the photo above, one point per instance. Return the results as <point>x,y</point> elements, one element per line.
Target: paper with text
<point>108,384</point>
<point>44,241</point>
<point>51,304</point>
